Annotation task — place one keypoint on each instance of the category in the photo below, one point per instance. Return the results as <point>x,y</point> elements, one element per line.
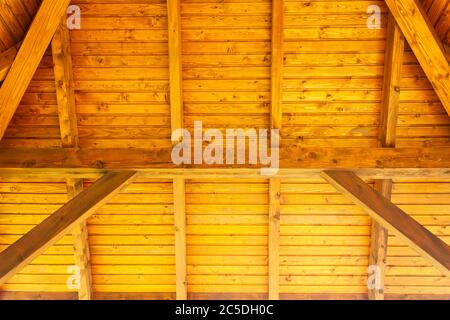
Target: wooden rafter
<point>388,124</point>
<point>426,45</point>
<point>176,116</point>
<point>28,58</point>
<point>276,115</point>
<point>62,66</point>
<point>49,231</point>
<point>392,218</point>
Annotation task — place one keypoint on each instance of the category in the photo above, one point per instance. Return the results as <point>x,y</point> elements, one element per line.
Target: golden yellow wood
<point>393,218</point>
<point>277,63</point>
<point>421,36</point>
<point>28,57</point>
<point>179,208</point>
<point>39,238</point>
<point>6,59</point>
<point>274,238</point>
<point>175,65</point>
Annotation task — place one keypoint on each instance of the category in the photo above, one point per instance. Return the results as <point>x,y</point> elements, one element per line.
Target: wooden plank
<point>81,245</point>
<point>179,209</point>
<point>277,63</point>
<point>426,45</point>
<point>274,238</point>
<point>28,58</point>
<point>41,237</point>
<point>65,95</point>
<point>393,218</point>
<point>6,59</point>
<point>175,64</point>
<point>388,124</point>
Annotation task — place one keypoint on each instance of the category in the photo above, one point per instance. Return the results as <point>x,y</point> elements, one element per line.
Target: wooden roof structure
<point>92,206</point>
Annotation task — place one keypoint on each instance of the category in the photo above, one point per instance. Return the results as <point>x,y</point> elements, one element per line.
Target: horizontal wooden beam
<point>160,158</point>
<point>225,173</point>
<point>426,45</point>
<point>38,239</point>
<point>392,218</point>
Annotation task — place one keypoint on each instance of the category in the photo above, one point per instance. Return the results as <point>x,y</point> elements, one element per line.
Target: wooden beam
<point>388,125</point>
<point>28,58</point>
<point>180,237</point>
<point>276,115</point>
<point>426,45</point>
<point>276,111</point>
<point>6,59</point>
<point>175,64</point>
<point>62,67</point>
<point>393,218</point>
<point>65,95</point>
<point>291,157</point>
<point>227,173</point>
<point>274,238</point>
<point>391,83</point>
<point>378,244</point>
<point>81,245</point>
<point>49,231</point>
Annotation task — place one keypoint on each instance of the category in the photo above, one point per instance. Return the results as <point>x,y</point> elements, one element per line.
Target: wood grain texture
<point>41,237</point>
<point>274,238</point>
<point>291,157</point>
<point>379,243</point>
<point>391,83</point>
<point>388,129</point>
<point>6,59</point>
<point>393,218</point>
<point>65,95</point>
<point>276,74</point>
<point>81,245</point>
<point>175,64</point>
<point>179,208</point>
<point>421,36</point>
<point>28,58</point>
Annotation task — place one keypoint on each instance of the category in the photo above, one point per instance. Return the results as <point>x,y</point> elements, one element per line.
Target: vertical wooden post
<point>387,136</point>
<point>180,237</point>
<point>378,245</point>
<point>276,116</point>
<point>175,64</point>
<point>274,238</point>
<point>65,95</point>
<point>276,111</point>
<point>176,116</point>
<point>81,245</point>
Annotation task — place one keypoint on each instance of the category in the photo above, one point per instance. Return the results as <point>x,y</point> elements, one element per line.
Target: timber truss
<point>116,168</point>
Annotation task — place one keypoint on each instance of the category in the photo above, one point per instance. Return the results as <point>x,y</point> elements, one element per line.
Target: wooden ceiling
<point>108,96</point>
